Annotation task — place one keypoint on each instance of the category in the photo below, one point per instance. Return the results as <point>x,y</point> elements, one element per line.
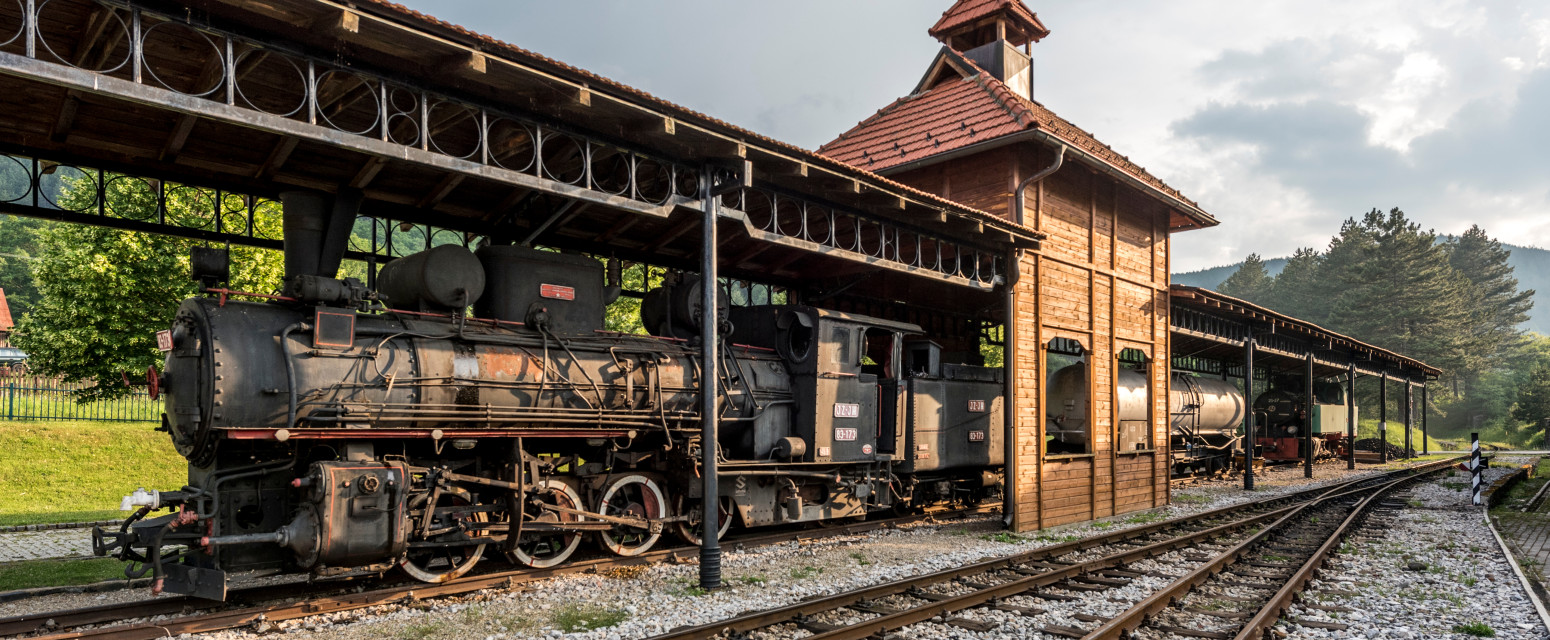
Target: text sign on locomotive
<point>847,410</point>
<point>557,292</point>
<point>976,406</point>
<point>164,340</point>
<point>976,436</point>
<point>844,435</point>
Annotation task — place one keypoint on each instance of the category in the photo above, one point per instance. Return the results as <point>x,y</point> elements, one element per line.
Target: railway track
<point>253,605</point>
<point>1268,550</point>
<point>1036,569</point>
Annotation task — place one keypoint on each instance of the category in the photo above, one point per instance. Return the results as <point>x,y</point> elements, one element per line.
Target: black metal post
<point>1307,427</point>
<point>1248,412</point>
<point>1350,417</point>
<point>1426,446</point>
<point>1383,418</point>
<point>1409,411</point>
<point>710,547</point>
<point>1009,390</point>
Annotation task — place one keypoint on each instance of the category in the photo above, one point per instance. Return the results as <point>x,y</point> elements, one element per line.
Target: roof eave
<point>1194,213</point>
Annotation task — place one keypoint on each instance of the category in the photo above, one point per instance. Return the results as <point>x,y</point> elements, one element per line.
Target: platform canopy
<point>454,137</point>
<point>1210,328</point>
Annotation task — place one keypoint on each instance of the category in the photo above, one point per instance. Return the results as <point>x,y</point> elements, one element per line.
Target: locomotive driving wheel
<point>631,496</point>
<point>540,548</point>
<point>440,558</point>
<point>690,530</point>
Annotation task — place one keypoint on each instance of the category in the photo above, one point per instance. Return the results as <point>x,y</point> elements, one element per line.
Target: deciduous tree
<point>104,293</point>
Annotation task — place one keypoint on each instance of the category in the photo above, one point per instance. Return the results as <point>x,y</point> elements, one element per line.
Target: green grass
<point>1189,498</point>
<point>1476,629</point>
<point>1004,537</point>
<point>860,558</point>
<point>78,471</point>
<point>576,617</point>
<point>803,573</point>
<point>55,573</point>
<point>421,631</point>
<point>1368,428</point>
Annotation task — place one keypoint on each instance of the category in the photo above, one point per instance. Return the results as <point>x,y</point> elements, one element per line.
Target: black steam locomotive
<point>337,429</point>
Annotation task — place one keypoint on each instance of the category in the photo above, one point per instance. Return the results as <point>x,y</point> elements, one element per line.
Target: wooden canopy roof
<point>453,131</point>
<point>1211,325</point>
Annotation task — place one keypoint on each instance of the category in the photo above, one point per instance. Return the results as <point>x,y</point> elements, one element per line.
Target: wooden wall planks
<point>1100,278</point>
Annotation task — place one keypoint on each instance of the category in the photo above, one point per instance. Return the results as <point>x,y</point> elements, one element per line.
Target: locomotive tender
<point>335,429</point>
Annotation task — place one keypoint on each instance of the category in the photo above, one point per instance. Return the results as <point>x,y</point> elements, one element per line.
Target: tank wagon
<point>336,428</point>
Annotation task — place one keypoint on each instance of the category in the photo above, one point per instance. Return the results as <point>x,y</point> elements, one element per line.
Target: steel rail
<point>882,624</point>
<point>1282,600</point>
<point>1123,625</point>
<point>879,626</point>
<point>412,590</point>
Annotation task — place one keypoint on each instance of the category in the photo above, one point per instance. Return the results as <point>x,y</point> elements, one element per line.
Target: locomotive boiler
<point>334,428</point>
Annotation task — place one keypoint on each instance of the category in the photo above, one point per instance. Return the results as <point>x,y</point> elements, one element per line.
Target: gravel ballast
<point>641,602</point>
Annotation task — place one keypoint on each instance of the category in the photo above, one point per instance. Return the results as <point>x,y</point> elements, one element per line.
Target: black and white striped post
<point>1474,465</point>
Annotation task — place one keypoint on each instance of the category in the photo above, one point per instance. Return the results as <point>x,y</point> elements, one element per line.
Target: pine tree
<point>1496,306</point>
<point>1533,406</point>
<point>1250,282</point>
<point>1392,286</point>
<point>1297,290</point>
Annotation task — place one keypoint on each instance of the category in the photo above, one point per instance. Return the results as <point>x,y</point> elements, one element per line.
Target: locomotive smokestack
<point>317,229</point>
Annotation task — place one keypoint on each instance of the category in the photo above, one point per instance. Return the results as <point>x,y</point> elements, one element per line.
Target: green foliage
<point>624,314</point>
<point>1477,629</point>
<point>1533,402</point>
<point>572,618</point>
<point>803,573</point>
<point>1453,303</point>
<point>1297,290</point>
<point>1250,282</point>
<point>18,248</point>
<point>104,293</point>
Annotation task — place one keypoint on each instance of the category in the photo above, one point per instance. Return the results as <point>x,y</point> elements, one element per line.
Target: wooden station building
<point>1095,292</point>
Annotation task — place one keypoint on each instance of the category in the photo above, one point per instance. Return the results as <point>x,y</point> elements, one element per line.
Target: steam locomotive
<point>336,429</point>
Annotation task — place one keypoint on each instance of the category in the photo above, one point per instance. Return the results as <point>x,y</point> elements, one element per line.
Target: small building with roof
<point>1095,294</point>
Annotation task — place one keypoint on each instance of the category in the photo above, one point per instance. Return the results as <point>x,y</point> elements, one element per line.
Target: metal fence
<point>40,398</point>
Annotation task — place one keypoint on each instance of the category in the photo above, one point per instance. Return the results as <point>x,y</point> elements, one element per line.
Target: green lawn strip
<point>29,574</point>
<point>1368,428</point>
<point>71,471</point>
<point>53,517</point>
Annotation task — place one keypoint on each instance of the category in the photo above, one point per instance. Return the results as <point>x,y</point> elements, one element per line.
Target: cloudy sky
<point>1282,118</point>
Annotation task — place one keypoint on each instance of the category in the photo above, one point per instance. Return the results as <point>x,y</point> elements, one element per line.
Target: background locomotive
<point>337,429</point>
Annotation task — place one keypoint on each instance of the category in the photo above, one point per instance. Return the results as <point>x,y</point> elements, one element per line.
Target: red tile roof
<point>966,12</point>
<point>957,112</point>
<point>5,313</point>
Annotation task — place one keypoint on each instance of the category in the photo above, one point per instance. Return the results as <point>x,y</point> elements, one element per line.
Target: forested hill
<point>1530,265</point>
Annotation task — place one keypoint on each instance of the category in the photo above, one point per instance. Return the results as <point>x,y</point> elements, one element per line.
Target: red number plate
<point>164,340</point>
<point>557,292</point>
<point>976,406</point>
<point>976,436</point>
<point>847,410</point>
<point>845,435</point>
